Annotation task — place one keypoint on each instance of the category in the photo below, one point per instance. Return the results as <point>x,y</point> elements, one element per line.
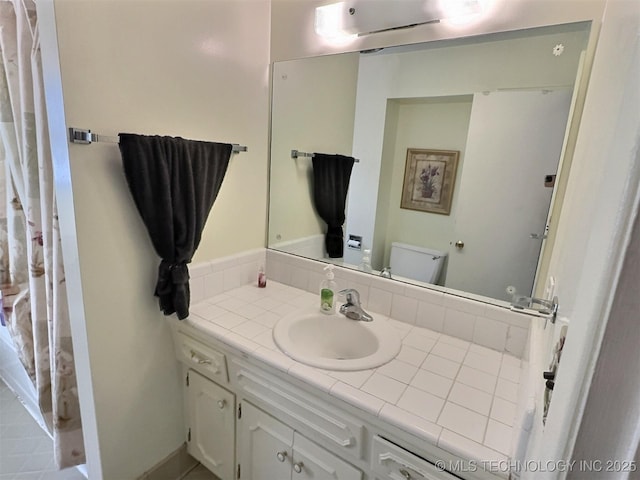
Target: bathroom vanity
<point>254,413</point>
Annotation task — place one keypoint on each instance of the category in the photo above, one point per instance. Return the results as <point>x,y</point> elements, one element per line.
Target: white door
<point>211,415</point>
<point>514,141</point>
<point>264,446</point>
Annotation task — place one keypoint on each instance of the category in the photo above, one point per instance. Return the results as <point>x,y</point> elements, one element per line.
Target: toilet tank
<point>416,263</point>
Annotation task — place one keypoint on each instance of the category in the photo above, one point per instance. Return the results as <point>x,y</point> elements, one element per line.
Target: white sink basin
<point>334,342</point>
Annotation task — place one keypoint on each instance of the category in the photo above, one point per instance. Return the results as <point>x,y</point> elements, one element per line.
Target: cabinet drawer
<point>312,415</point>
<point>318,463</point>
<point>202,358</point>
<point>391,462</point>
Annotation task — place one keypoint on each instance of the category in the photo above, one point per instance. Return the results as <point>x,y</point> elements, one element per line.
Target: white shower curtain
<point>29,235</point>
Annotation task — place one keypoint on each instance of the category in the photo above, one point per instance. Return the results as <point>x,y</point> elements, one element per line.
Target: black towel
<point>331,174</point>
<point>174,183</point>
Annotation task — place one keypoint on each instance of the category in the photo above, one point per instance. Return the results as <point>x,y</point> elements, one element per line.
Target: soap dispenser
<point>328,289</point>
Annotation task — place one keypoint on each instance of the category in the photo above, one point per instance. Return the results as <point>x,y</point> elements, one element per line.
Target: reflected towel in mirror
<point>331,175</point>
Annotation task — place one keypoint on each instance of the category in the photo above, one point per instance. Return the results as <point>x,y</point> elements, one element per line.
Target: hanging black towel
<point>174,183</point>
<point>331,174</point>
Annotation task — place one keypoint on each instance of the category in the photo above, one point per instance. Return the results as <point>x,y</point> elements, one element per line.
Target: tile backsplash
<point>484,324</point>
<point>208,279</point>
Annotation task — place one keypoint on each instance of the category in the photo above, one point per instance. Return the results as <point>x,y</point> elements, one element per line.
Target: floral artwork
<point>429,179</point>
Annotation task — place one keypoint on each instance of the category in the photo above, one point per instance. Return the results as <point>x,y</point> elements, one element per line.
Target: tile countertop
<point>449,392</point>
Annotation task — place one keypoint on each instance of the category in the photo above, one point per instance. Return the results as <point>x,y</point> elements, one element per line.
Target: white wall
<point>368,137</point>
<point>322,122</point>
<point>189,68</point>
<point>378,260</point>
<point>436,124</point>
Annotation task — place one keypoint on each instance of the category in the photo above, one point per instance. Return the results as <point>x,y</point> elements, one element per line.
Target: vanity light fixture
<point>464,12</point>
<point>328,21</point>
<point>352,18</point>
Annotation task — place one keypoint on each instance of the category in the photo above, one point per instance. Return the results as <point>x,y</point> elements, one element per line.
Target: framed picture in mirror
<point>429,180</point>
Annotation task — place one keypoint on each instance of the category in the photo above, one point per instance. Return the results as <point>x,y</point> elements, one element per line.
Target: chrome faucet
<point>386,272</point>
<point>352,308</point>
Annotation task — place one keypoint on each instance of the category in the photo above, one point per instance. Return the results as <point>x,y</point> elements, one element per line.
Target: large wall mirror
<point>500,102</point>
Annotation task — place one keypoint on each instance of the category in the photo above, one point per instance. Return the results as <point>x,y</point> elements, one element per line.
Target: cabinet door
<point>311,462</point>
<point>264,446</point>
<point>211,418</point>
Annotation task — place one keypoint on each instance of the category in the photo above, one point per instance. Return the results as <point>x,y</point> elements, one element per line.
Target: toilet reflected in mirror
<point>416,263</point>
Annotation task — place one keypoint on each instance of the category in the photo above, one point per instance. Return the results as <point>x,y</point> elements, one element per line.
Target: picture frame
<point>429,180</point>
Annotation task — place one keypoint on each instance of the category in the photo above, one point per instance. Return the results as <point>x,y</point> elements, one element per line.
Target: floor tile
<point>26,450</point>
<point>200,473</point>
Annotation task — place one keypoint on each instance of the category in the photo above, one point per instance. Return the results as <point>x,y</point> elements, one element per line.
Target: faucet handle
<point>352,295</point>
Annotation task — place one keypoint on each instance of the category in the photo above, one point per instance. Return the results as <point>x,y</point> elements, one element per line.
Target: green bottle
<point>328,292</point>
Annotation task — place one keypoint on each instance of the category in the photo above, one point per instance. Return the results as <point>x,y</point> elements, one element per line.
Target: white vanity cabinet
<point>270,450</point>
<point>249,422</point>
<point>211,425</point>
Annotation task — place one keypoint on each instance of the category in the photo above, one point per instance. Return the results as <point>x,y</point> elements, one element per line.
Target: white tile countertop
<point>450,392</point>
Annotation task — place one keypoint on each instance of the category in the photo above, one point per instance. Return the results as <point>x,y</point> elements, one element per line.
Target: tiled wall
<point>312,247</point>
<point>212,278</point>
<point>481,323</point>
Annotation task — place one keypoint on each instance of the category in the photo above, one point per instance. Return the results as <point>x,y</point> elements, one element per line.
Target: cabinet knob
<point>405,474</point>
<point>459,245</point>
<point>281,456</point>
<point>297,467</point>
<point>222,403</point>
